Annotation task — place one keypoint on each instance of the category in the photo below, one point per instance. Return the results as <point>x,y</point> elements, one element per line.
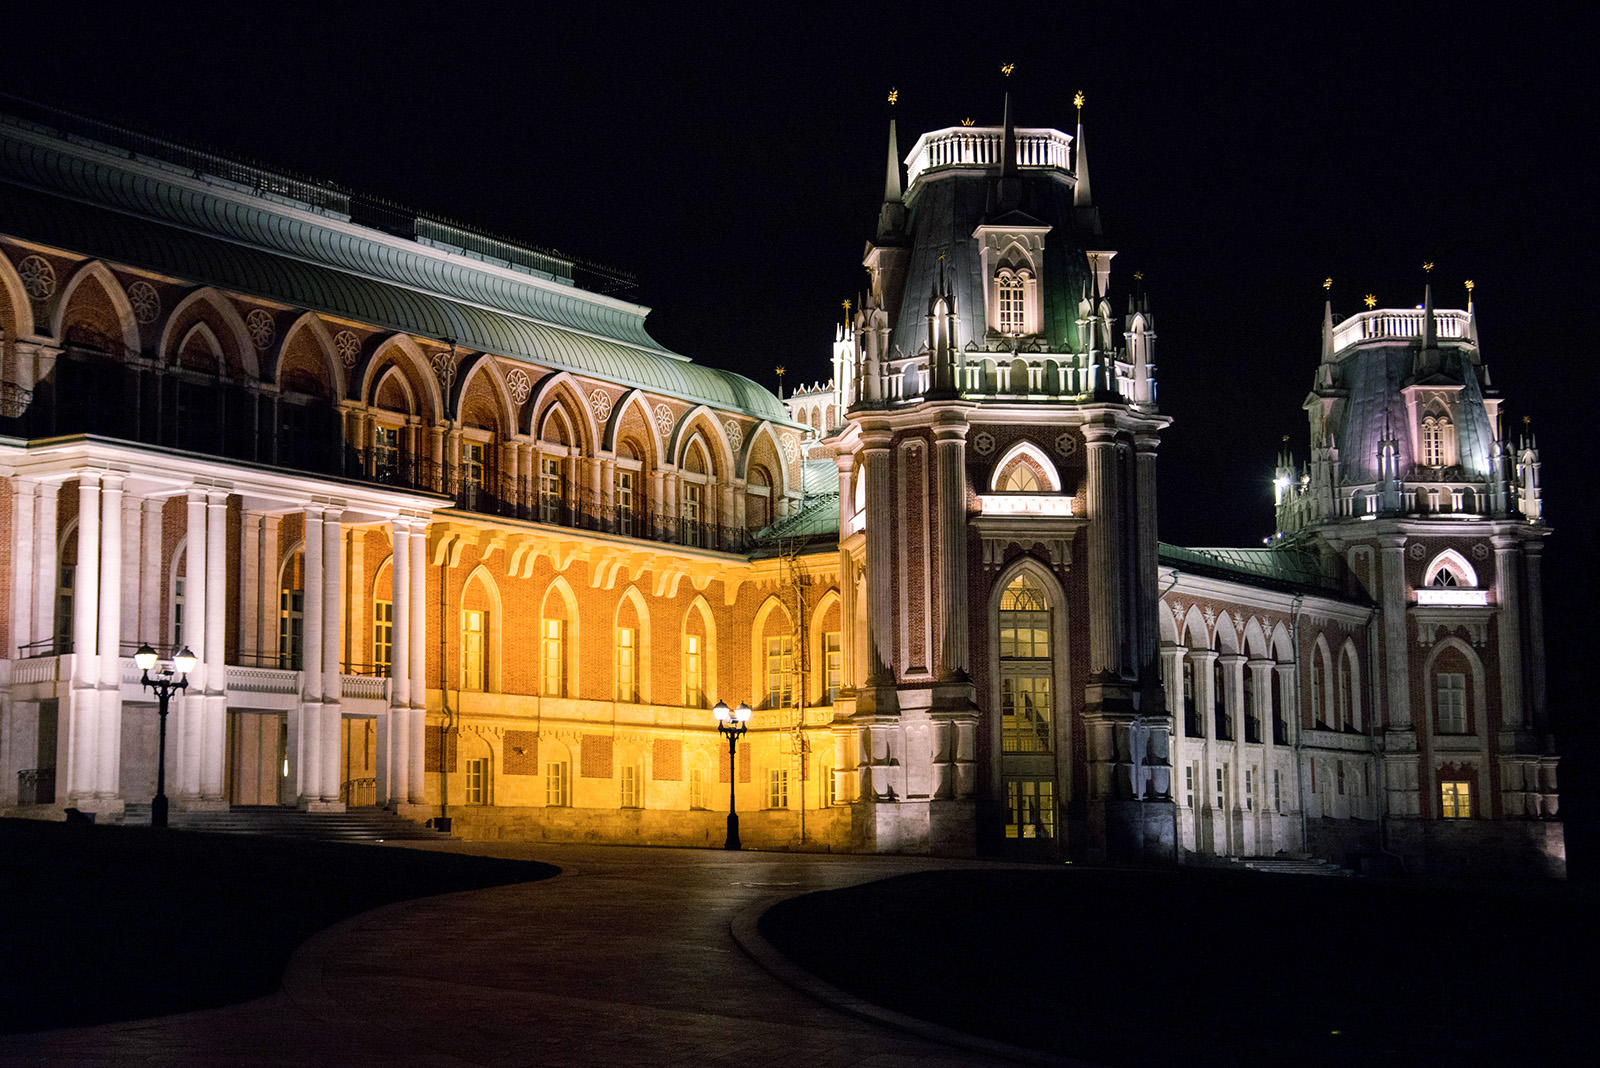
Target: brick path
<point>623,959</point>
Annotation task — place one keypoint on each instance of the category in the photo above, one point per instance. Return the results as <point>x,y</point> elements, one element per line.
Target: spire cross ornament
<point>1007,69</point>
<point>1077,102</point>
<point>846,303</point>
<point>1327,283</point>
<point>1427,268</point>
<point>1469,291</point>
<point>1370,301</point>
<point>894,96</point>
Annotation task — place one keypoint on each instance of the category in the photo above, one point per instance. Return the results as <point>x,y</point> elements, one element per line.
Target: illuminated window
<point>1030,809</point>
<point>478,782</point>
<point>177,610</point>
<point>291,614</point>
<point>558,784</point>
<point>694,680</point>
<point>1020,479</point>
<point>386,453</point>
<point>1011,304</point>
<point>778,788</point>
<point>382,637</point>
<point>632,787</point>
<point>623,496</point>
<point>553,655</point>
<point>1455,800</point>
<point>627,665</point>
<point>549,489</point>
<point>825,784</point>
<point>472,629</point>
<point>1435,430</point>
<point>1025,668</point>
<point>780,671</point>
<point>833,658</point>
<point>697,788</point>
<point>1451,695</point>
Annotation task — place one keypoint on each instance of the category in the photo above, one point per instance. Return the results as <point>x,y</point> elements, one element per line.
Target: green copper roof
<point>1280,567</point>
<point>85,200</point>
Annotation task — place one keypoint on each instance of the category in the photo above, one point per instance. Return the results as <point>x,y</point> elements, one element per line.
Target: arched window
<point>758,502</point>
<point>1024,668</point>
<point>1346,696</point>
<point>1021,479</point>
<point>1436,441</point>
<point>1443,577</point>
<point>553,648</point>
<point>291,612</point>
<point>1319,675</point>
<point>1011,303</point>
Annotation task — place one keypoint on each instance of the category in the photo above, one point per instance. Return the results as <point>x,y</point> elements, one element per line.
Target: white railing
<point>262,680</point>
<point>980,146</point>
<point>1397,323</point>
<point>1024,504</point>
<point>366,687</point>
<point>35,670</point>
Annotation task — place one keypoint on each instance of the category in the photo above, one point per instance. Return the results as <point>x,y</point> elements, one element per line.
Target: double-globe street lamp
<point>732,723</point>
<point>168,681</point>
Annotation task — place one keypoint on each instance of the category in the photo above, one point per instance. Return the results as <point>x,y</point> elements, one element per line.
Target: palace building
<point>450,534</point>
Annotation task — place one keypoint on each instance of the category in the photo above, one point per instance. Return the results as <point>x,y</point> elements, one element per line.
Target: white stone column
<point>332,677</point>
<point>150,560</point>
<point>308,743</point>
<point>1104,569</point>
<point>108,741</point>
<point>249,586</point>
<point>25,539</point>
<point>418,720</point>
<point>191,713</point>
<point>1205,689</point>
<point>394,740</point>
<point>47,569</point>
<point>605,500</point>
<point>267,581</point>
<point>214,728</point>
<point>82,719</point>
<point>132,574</point>
<point>1533,558</point>
<point>950,442</point>
<point>880,554</point>
<point>1508,635</point>
<point>1401,772</point>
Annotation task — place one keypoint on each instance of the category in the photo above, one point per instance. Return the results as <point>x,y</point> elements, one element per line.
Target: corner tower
<point>998,546</point>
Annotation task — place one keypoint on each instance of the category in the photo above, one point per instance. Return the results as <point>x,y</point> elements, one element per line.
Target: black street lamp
<point>733,724</point>
<point>168,681</point>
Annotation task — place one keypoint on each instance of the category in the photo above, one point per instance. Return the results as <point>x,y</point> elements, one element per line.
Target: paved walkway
<point>623,959</point>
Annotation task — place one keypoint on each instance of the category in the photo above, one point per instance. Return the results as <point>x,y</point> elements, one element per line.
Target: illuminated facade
<point>450,533</point>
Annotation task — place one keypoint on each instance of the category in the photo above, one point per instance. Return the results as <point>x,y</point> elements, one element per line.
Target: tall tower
<point>997,499</point>
<point>1415,491</point>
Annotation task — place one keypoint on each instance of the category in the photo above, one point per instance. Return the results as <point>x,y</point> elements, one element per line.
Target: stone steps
<point>1295,865</point>
<point>353,825</point>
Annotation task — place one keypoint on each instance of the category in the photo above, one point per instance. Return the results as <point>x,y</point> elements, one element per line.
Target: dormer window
<point>1437,441</point>
<point>1011,295</point>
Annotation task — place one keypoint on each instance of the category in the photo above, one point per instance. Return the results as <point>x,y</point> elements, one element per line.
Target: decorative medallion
<point>1066,443</point>
<point>1418,550</point>
<point>519,385</point>
<point>664,420</point>
<point>259,323</point>
<point>349,347</point>
<point>983,444</point>
<point>145,300</point>
<point>600,404</point>
<point>735,435</point>
<point>791,448</point>
<point>1480,551</point>
<point>38,277</point>
<point>444,369</point>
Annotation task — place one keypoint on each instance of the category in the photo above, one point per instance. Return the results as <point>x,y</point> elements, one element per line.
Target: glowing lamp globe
<point>145,657</point>
<point>720,710</point>
<point>184,661</point>
<point>742,713</point>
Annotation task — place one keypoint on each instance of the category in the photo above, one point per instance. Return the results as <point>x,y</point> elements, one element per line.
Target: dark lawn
<point>1218,968</point>
<point>117,923</point>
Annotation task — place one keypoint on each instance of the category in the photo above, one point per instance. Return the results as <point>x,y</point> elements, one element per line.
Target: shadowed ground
<point>117,923</point>
<point>1216,968</point>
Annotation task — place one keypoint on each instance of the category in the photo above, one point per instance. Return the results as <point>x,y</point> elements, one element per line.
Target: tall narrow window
<point>1188,786</point>
<point>1031,809</point>
<point>693,515</point>
<point>1277,791</point>
<point>1252,717</point>
<point>833,657</point>
<point>1451,694</point>
<point>1455,800</point>
<point>291,614</point>
<point>1011,315</point>
<point>558,784</point>
<point>778,788</point>
<point>825,784</point>
<point>64,587</point>
<point>1434,429</point>
<point>472,472</point>
<point>632,786</point>
<point>1249,789</point>
<point>627,664</point>
<point>177,613</point>
<point>1219,701</point>
<point>1345,720</point>
<point>1024,668</point>
<point>622,494</point>
<point>472,631</point>
<point>553,657</point>
<point>382,637</point>
<point>478,781</point>
<point>1319,714</point>
<point>780,671</point>
<point>694,679</point>
<point>386,453</point>
<point>697,788</point>
<point>1192,727</point>
<point>550,489</point>
<point>1222,787</point>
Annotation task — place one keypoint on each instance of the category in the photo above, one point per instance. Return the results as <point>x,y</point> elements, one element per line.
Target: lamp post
<point>168,681</point>
<point>732,723</point>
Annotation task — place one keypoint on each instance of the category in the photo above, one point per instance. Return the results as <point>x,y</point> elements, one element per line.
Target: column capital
<point>1230,659</point>
<point>1098,434</point>
<point>1204,656</point>
<point>1392,543</point>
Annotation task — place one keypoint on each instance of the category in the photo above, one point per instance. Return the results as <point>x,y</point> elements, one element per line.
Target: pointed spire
<point>1080,158</point>
<point>1327,331</point>
<point>1008,144</point>
<point>891,181</point>
<point>892,216</point>
<point>1430,331</point>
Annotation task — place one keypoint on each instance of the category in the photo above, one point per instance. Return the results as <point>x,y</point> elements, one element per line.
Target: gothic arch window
<point>1011,296</point>
<point>1438,437</point>
<point>1025,706</point>
<point>758,506</point>
<point>1450,569</point>
<point>291,610</point>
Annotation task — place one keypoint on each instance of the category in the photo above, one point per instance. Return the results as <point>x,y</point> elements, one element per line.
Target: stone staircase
<point>352,825</point>
<point>1295,864</point>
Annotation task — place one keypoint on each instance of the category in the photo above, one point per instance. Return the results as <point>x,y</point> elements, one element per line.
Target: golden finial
<point>894,96</point>
<point>1427,267</point>
<point>1370,301</point>
<point>1138,276</point>
<point>1469,289</point>
<point>1327,283</point>
<point>1286,439</point>
<point>781,370</point>
<point>1077,100</point>
<point>966,122</point>
<point>846,309</point>
<point>1007,69</point>
<point>1527,420</point>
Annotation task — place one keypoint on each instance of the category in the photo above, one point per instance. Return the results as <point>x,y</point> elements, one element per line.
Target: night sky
<point>733,159</point>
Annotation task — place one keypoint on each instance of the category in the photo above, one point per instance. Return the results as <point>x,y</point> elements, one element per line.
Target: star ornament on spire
<point>1007,69</point>
<point>1370,301</point>
<point>1469,289</point>
<point>894,96</point>
<point>1327,283</point>
<point>1427,268</point>
<point>1077,100</point>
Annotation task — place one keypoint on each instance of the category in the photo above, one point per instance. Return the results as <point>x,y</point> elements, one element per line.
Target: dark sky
<point>733,158</point>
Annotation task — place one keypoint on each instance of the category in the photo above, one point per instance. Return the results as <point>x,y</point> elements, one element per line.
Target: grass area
<point>1216,968</point>
<point>117,923</point>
